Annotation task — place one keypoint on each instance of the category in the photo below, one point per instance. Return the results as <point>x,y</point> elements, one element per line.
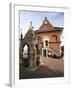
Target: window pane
<point>46,43</point>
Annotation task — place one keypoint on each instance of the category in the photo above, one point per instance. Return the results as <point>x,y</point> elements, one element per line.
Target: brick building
<point>49,38</point>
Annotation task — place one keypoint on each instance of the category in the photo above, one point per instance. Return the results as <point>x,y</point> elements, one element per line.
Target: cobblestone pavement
<point>54,64</point>
<point>49,68</point>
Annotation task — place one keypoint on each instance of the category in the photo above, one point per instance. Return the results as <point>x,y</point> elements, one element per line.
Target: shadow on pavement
<point>41,72</point>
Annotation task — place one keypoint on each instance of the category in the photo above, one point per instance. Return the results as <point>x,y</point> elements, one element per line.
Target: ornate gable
<point>46,24</point>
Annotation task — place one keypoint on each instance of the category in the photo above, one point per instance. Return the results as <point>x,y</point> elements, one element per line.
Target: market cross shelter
<point>44,42</point>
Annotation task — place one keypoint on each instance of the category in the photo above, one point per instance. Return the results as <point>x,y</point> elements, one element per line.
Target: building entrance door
<point>44,53</point>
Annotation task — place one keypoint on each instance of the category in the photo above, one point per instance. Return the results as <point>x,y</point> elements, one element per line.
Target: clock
<point>45,22</point>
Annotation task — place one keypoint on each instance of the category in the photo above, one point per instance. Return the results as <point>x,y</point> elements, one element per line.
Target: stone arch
<point>39,38</point>
<point>30,40</point>
<point>27,48</point>
<point>26,54</point>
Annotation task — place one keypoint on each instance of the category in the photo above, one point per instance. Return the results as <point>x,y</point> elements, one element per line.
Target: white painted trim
<point>46,38</point>
<point>46,51</point>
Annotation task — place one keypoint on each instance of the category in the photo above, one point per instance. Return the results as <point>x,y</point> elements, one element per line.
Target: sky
<point>37,17</point>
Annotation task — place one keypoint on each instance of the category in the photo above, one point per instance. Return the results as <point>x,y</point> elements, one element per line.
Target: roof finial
<point>45,18</point>
<point>30,27</point>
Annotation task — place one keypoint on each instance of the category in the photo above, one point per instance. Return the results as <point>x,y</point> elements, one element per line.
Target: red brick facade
<point>50,35</point>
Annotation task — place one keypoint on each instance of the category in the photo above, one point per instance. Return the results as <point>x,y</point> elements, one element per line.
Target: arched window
<point>46,43</point>
<point>39,38</point>
<point>54,37</point>
<point>25,51</point>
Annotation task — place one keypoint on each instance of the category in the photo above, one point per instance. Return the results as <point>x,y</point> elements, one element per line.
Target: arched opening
<point>25,51</point>
<point>54,37</point>
<point>26,55</point>
<point>39,38</point>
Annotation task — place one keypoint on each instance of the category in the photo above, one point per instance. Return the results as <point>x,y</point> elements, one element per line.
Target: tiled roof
<point>49,30</point>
